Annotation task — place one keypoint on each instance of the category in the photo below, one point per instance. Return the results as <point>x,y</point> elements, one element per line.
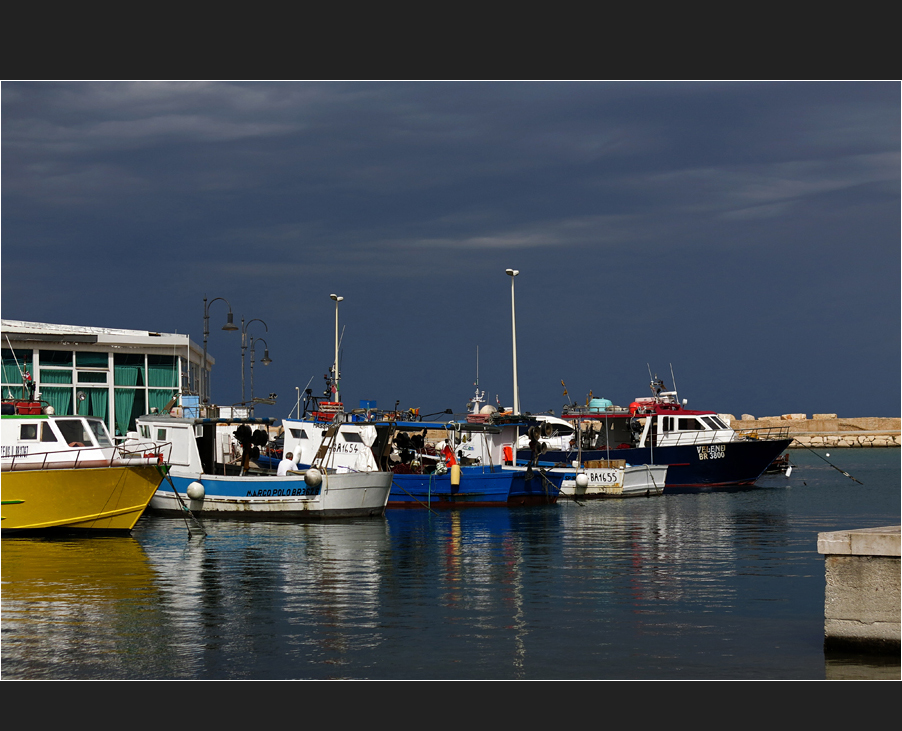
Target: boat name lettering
<point>712,451</point>
<point>285,492</point>
<point>347,448</point>
<point>15,451</point>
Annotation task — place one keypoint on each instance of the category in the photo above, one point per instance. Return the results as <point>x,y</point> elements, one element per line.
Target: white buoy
<point>828,454</point>
<point>582,480</point>
<point>789,470</point>
<point>313,477</point>
<point>196,491</point>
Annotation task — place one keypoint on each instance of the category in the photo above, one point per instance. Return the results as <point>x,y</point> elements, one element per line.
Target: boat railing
<point>766,434</point>
<point>135,453</point>
<point>683,438</point>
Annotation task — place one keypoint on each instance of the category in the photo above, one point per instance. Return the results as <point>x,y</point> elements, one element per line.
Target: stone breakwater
<point>828,430</point>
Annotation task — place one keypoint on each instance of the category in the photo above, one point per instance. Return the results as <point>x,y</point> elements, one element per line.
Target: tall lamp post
<point>512,273</point>
<point>264,360</point>
<point>244,350</point>
<point>230,325</point>
<point>335,372</point>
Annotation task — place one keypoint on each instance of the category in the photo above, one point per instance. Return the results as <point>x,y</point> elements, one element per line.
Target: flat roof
<point>38,332</point>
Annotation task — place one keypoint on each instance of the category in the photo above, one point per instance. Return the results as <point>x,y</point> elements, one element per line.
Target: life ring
<point>76,444</point>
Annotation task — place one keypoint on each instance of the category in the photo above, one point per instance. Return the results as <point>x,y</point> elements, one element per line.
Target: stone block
<point>817,417</point>
<point>748,417</point>
<point>794,417</point>
<point>862,595</point>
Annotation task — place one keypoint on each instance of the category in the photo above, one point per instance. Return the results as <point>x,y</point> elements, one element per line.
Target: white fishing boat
<point>210,479</point>
<point>611,479</point>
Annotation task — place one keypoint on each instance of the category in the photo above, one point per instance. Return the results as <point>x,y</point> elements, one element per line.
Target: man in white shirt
<point>286,464</point>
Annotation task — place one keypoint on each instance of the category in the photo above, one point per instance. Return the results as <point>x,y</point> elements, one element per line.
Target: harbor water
<point>709,585</point>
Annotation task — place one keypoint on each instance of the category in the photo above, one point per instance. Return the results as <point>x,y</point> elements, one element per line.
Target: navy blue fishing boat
<point>698,447</point>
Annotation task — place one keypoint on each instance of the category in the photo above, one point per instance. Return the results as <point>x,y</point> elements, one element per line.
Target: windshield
<point>100,432</point>
<point>74,433</point>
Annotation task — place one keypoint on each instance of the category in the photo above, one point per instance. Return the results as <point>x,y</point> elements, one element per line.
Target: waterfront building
<point>116,375</point>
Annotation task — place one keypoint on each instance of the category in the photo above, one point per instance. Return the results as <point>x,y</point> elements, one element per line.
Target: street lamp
<point>264,360</point>
<point>335,372</point>
<point>244,350</point>
<point>228,326</point>
<point>512,273</point>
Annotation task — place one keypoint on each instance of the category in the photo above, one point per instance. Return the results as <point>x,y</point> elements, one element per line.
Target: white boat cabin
<point>34,438</point>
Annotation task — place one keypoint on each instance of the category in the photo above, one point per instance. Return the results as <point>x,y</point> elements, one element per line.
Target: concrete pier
<point>862,596</point>
<point>829,430</point>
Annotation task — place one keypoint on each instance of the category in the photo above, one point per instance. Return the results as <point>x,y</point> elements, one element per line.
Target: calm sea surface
<point>691,586</point>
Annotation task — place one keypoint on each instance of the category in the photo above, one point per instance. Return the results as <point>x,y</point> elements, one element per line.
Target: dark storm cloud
<point>746,232</point>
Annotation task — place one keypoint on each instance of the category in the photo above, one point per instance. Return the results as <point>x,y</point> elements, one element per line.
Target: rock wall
<point>828,430</point>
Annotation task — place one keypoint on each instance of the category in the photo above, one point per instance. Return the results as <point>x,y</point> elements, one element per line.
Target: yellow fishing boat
<point>93,498</point>
<point>65,472</point>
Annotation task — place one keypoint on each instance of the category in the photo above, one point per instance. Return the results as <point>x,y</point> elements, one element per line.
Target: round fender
<point>196,491</point>
<point>313,477</point>
<point>582,480</point>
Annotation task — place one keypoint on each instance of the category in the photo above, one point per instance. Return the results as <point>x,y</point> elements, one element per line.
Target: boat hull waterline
<point>478,487</point>
<point>344,495</point>
<point>691,466</point>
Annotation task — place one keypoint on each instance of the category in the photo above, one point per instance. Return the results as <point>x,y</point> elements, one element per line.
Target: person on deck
<point>286,464</point>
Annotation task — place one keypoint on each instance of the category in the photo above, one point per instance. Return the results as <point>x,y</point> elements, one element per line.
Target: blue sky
<point>748,233</point>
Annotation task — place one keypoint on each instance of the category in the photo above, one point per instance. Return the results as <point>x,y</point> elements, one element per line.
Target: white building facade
<point>116,375</point>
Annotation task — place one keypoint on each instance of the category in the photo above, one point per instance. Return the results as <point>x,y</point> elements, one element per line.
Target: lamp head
<point>230,325</point>
<point>512,272</point>
<point>266,360</point>
<point>336,297</point>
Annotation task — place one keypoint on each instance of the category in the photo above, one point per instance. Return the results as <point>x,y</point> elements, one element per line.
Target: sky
<point>742,238</point>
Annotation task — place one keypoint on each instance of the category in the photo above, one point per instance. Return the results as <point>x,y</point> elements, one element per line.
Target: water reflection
<point>57,592</point>
<point>719,585</point>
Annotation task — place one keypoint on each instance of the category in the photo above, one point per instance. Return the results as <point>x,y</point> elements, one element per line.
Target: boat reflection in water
<point>80,607</point>
<point>718,584</point>
<point>262,599</point>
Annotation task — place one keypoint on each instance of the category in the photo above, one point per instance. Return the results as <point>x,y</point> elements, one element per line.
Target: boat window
<point>298,433</point>
<point>716,423</point>
<point>74,432</point>
<point>691,424</point>
<point>28,431</point>
<point>161,435</point>
<point>100,432</point>
<point>352,437</point>
<point>711,422</point>
<point>667,423</point>
<point>47,434</point>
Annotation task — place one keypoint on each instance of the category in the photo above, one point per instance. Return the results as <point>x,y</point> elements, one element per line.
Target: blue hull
<point>478,487</point>
<point>690,467</point>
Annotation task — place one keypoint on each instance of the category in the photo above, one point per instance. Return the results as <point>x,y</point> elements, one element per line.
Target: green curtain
<point>56,357</point>
<point>59,398</point>
<point>159,397</point>
<point>96,403</point>
<point>52,375</point>
<point>129,404</point>
<point>88,359</point>
<point>161,371</point>
<point>11,373</point>
<point>128,374</point>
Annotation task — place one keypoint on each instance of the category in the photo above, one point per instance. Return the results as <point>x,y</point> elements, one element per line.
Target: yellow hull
<point>105,498</point>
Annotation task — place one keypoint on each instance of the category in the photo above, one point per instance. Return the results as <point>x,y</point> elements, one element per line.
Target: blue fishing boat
<point>465,461</point>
